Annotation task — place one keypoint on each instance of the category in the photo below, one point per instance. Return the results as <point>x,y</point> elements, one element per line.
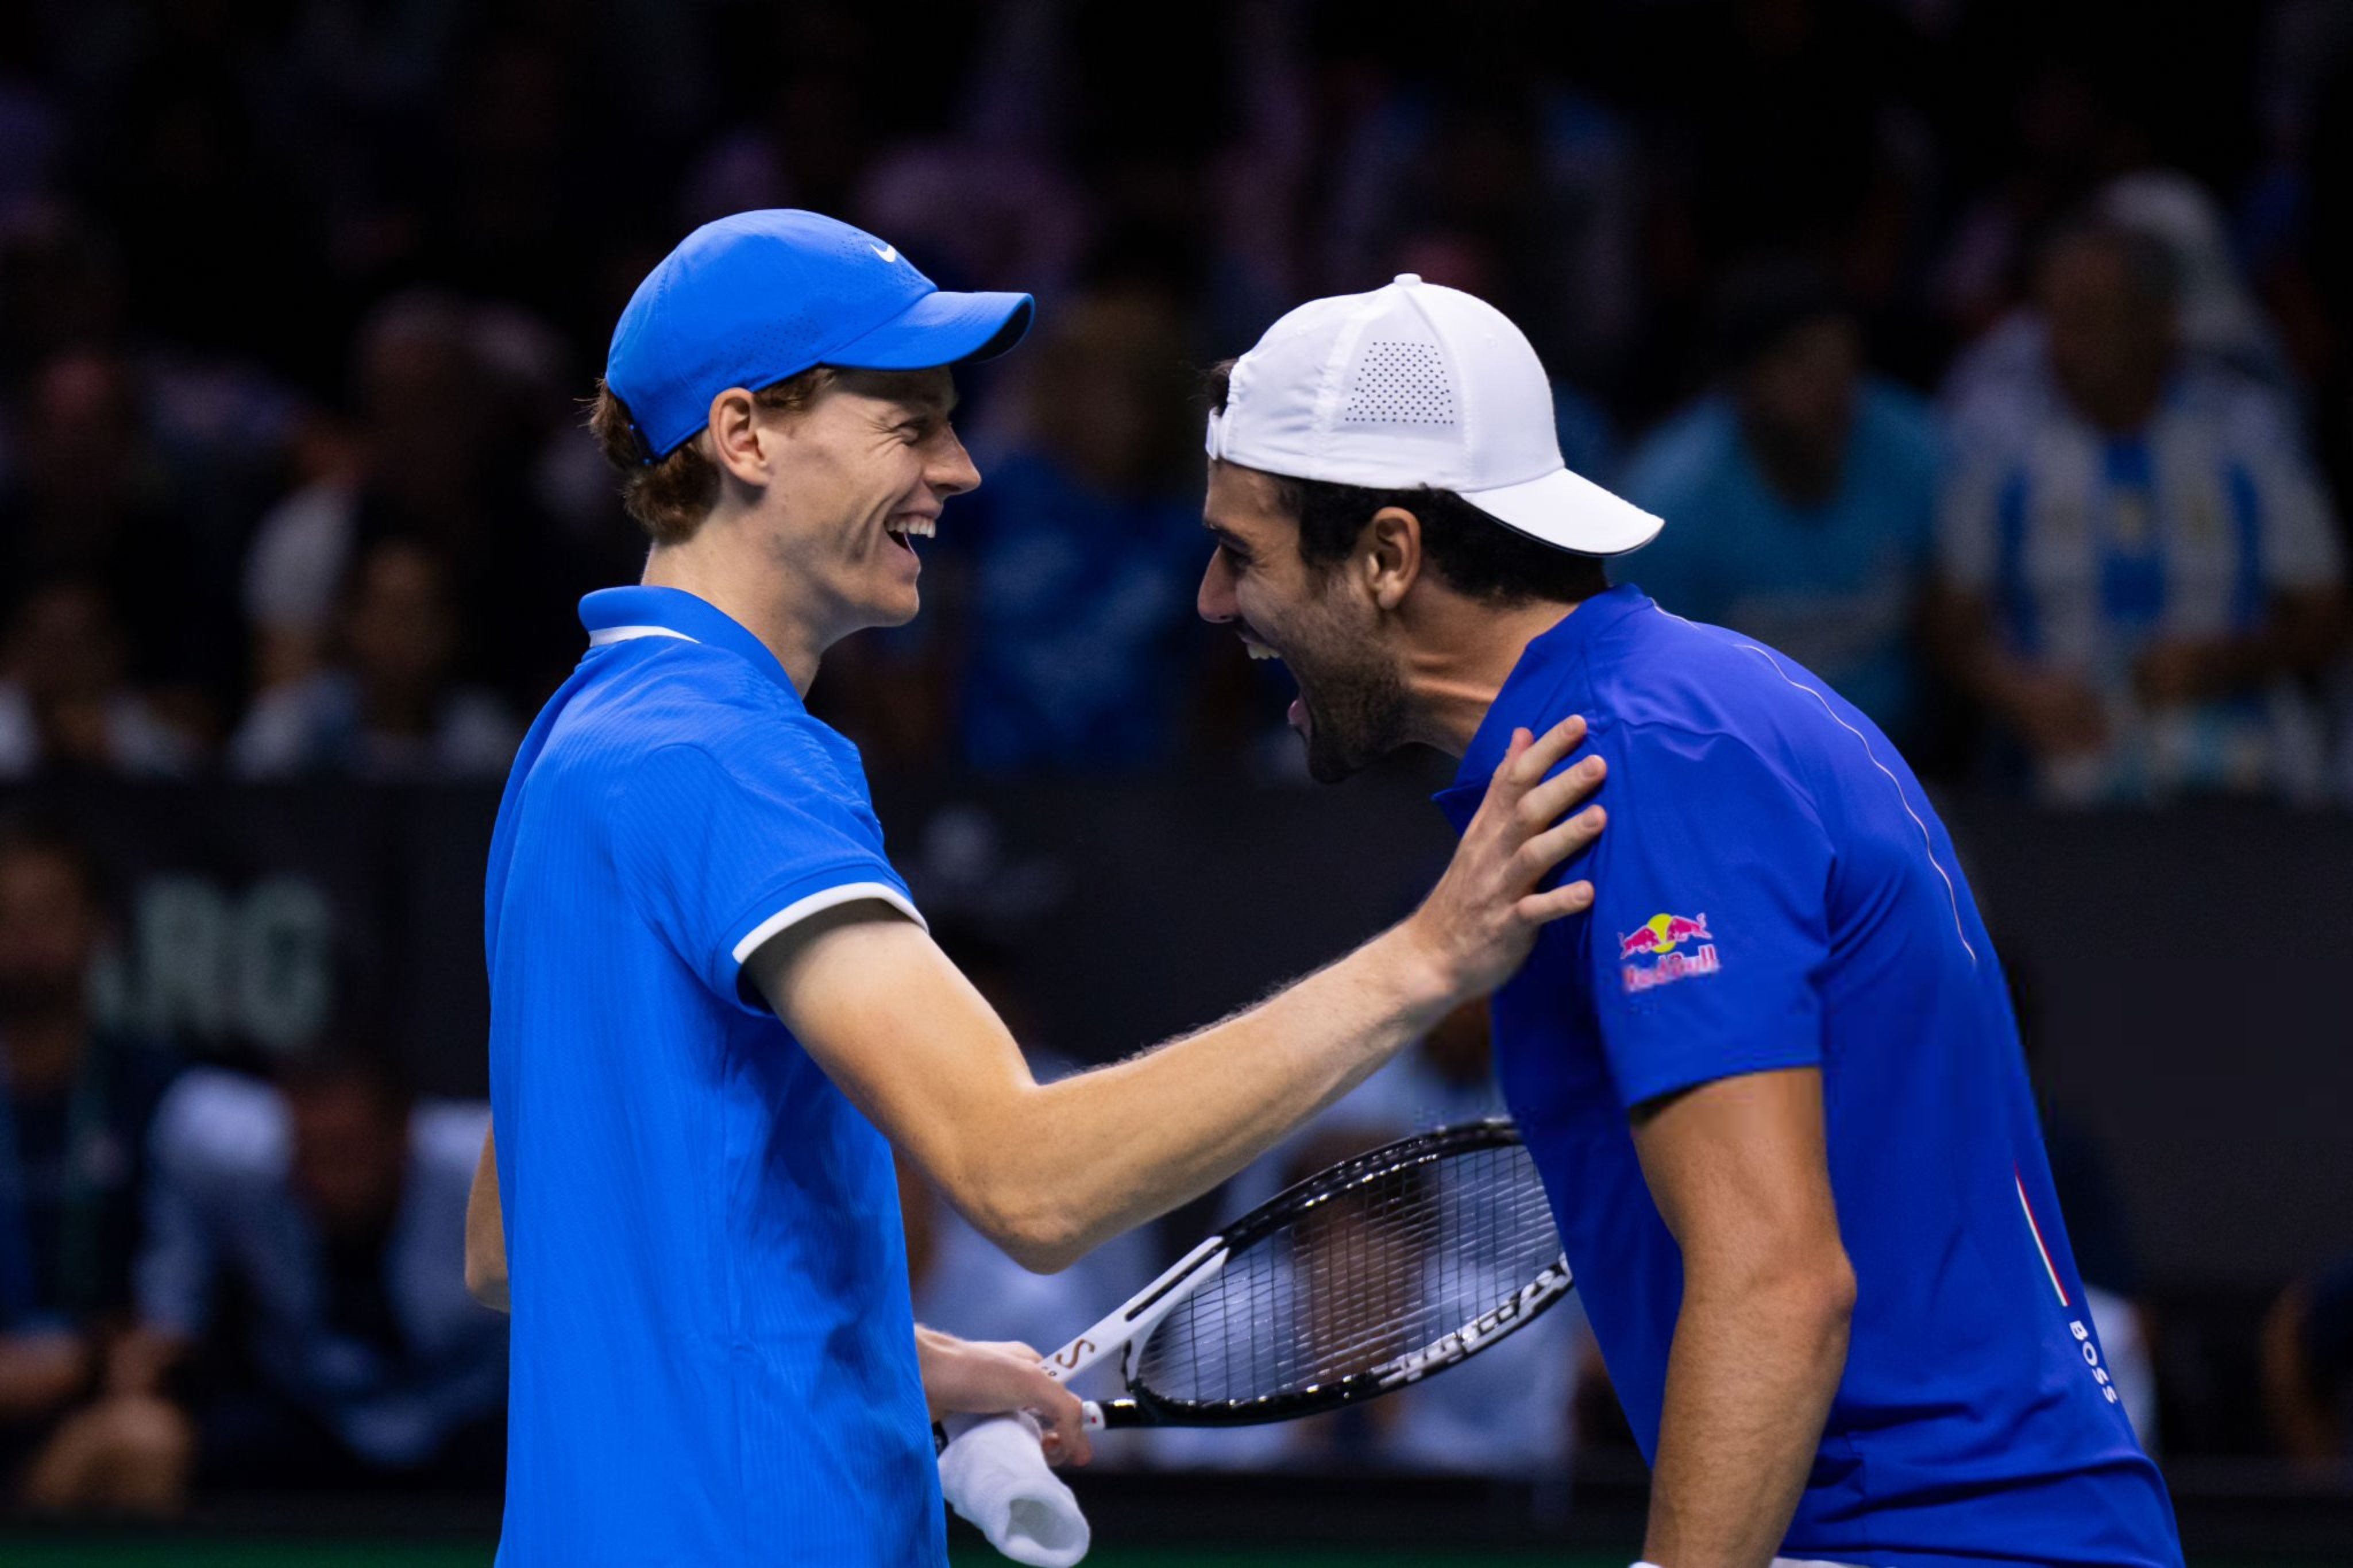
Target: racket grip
<point>1094,1421</point>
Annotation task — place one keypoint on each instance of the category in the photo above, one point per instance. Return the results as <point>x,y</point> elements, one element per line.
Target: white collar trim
<point>605,635</point>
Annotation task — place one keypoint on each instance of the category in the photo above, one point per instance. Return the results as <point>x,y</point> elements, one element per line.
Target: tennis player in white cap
<point>1771,1078</point>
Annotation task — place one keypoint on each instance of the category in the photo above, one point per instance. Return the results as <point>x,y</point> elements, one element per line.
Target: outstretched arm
<point>1738,1172</point>
<point>1049,1171</point>
<point>485,1241</point>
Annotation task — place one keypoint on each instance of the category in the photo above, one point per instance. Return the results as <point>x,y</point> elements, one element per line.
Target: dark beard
<point>1355,716</point>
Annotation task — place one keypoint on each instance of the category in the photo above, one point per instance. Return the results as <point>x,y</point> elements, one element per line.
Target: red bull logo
<point>1661,940</point>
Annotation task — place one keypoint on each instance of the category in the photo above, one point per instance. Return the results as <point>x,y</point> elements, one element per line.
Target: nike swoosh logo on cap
<point>887,252</point>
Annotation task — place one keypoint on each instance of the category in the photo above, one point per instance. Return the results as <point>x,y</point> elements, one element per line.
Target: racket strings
<point>1354,1283</point>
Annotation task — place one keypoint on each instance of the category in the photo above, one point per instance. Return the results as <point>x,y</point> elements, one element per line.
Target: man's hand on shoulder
<point>1479,922</point>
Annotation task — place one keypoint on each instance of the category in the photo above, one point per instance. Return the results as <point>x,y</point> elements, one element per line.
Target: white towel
<point>993,1473</point>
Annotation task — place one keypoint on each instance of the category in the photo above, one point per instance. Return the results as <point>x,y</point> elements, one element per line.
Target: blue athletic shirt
<point>713,1354</point>
<point>1774,891</point>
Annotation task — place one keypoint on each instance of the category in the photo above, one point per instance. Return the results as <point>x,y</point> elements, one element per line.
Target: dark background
<point>363,256</point>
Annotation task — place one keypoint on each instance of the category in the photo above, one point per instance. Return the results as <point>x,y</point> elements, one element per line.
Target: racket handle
<point>1094,1421</point>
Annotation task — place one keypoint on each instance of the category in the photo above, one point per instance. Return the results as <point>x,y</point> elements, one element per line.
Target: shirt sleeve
<point>719,860</point>
<point>1709,930</point>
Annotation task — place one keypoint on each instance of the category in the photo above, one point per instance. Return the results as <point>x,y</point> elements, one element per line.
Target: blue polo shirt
<point>1774,891</point>
<point>712,1350</point>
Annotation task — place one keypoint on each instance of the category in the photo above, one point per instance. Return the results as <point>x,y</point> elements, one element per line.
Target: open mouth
<point>1297,717</point>
<point>908,527</point>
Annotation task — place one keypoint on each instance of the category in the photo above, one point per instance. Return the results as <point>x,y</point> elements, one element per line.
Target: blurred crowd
<point>1991,358</point>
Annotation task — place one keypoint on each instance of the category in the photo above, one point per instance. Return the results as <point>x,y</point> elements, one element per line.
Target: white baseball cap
<point>1416,384</point>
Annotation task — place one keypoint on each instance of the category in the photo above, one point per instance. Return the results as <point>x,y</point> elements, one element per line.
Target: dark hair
<point>1473,553</point>
<point>670,497</point>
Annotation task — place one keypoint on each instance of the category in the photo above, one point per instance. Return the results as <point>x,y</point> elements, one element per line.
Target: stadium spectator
<point>91,497</point>
<point>394,706</point>
<point>1799,498</point>
<point>1078,639</point>
<point>2141,562</point>
<point>442,454</point>
<point>75,1100</point>
<point>299,1292</point>
<point>65,703</point>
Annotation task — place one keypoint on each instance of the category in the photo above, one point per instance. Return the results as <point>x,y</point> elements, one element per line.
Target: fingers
<point>1526,765</point>
<point>1549,801</point>
<point>1568,898</point>
<point>1555,844</point>
<point>1061,1419</point>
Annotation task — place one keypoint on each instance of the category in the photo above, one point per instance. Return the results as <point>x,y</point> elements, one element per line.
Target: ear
<point>1389,554</point>
<point>734,426</point>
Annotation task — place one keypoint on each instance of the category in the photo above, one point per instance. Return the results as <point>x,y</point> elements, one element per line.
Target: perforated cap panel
<point>1398,381</point>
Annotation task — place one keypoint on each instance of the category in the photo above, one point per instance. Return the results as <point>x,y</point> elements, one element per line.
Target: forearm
<point>486,1242</point>
<point>1104,1151</point>
<point>1046,1171</point>
<point>1749,1384</point>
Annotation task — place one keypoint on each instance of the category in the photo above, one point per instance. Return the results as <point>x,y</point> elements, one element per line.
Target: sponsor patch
<point>1653,953</point>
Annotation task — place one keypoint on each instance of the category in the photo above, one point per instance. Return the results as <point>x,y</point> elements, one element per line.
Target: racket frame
<point>1123,1331</point>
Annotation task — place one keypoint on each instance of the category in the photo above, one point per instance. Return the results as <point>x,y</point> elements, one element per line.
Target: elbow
<point>1835,1290</point>
<point>1820,1296</point>
<point>1044,1238</point>
<point>1035,1227</point>
<point>1811,1291</point>
<point>1813,1285</point>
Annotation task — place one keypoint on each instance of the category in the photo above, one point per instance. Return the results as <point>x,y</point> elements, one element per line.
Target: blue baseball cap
<point>756,297</point>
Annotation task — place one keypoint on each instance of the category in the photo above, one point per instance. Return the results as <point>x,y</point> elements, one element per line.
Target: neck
<point>724,566</point>
<point>1459,657</point>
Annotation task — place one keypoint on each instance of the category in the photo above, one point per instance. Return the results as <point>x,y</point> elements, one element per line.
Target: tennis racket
<point>1376,1273</point>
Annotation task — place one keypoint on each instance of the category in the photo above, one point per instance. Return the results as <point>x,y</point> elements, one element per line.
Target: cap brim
<point>940,329</point>
<point>1568,511</point>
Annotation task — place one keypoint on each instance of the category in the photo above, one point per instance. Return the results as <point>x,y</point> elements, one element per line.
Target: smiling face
<point>867,466</point>
<point>1352,706</point>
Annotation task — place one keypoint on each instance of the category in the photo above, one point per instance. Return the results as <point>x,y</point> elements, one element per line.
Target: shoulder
<point>1667,687</point>
<point>2250,415</point>
<point>677,712</point>
<point>2000,419</point>
<point>212,1121</point>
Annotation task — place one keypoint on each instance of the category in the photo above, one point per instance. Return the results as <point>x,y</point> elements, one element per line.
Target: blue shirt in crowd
<point>1081,623</point>
<point>1837,582</point>
<point>713,1350</point>
<point>1773,892</point>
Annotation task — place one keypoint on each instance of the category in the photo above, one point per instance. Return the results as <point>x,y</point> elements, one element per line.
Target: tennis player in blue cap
<point>1770,1079</point>
<point>714,1005</point>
